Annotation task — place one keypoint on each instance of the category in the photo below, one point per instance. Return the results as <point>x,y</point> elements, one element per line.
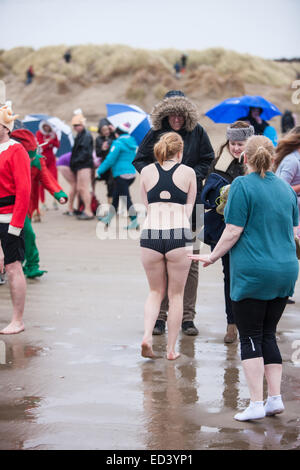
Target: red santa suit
<point>47,142</point>
<point>15,185</point>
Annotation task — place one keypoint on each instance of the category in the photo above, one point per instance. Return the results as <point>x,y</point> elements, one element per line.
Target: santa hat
<point>78,118</point>
<point>26,138</point>
<point>6,117</point>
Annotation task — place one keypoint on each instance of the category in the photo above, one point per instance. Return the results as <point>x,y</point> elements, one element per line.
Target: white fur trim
<point>5,218</point>
<point>7,144</point>
<point>14,230</point>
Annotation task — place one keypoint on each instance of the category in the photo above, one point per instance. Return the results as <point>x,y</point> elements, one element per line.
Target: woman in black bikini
<point>168,191</point>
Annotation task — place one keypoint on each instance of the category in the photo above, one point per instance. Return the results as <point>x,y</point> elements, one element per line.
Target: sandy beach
<point>75,378</point>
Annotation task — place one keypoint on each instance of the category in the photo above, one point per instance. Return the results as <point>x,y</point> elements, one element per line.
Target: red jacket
<point>15,185</point>
<point>47,150</point>
<point>41,175</point>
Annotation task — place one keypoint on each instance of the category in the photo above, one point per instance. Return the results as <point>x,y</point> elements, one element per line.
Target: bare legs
<point>178,266</point>
<point>17,285</point>
<point>71,179</point>
<point>155,264</point>
<point>83,187</point>
<point>254,373</point>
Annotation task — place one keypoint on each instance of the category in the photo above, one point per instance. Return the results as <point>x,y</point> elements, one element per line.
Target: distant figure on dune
<point>177,69</point>
<point>183,63</point>
<point>68,56</point>
<point>29,75</point>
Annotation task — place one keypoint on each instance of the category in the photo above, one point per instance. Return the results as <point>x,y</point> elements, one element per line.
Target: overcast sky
<point>268,28</point>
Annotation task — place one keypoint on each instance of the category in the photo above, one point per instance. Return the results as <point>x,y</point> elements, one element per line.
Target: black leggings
<point>121,188</point>
<point>256,321</point>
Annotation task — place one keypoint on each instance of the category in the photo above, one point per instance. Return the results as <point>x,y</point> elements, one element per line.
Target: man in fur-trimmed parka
<point>178,114</point>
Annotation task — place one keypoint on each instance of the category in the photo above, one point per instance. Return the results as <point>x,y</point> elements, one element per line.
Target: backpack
<point>213,222</point>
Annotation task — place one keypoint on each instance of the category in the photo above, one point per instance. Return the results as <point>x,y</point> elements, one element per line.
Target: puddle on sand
<point>16,354</point>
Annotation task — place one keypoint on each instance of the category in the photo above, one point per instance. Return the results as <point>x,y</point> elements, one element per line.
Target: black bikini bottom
<point>166,240</point>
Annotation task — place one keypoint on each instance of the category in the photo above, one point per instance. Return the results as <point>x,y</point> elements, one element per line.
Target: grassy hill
<point>98,74</point>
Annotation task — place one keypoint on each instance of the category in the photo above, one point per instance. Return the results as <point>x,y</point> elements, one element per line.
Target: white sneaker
<point>255,410</point>
<point>274,406</point>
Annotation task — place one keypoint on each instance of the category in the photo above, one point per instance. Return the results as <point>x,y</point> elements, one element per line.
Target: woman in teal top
<point>261,218</point>
<point>119,159</point>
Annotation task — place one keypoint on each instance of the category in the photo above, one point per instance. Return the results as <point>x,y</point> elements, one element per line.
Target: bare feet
<point>172,355</point>
<point>13,328</point>
<point>147,350</point>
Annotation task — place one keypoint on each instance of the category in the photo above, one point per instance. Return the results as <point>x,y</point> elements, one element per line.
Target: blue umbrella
<point>130,116</point>
<point>232,109</point>
<point>62,130</point>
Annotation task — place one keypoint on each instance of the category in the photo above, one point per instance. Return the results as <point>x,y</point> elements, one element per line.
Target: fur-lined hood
<point>175,105</point>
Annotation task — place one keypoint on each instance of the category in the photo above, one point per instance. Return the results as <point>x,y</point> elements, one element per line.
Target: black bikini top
<point>166,183</point>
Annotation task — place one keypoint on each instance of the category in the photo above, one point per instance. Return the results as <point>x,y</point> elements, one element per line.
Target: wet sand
<point>75,378</point>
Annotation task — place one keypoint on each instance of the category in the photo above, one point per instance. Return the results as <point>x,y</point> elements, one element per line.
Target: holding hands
<point>205,259</point>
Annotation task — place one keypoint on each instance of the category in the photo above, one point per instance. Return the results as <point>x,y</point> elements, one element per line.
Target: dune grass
<point>102,62</point>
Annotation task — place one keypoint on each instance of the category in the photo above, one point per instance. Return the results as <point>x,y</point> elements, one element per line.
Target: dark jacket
<point>82,152</point>
<point>214,223</point>
<point>99,141</point>
<point>197,152</point>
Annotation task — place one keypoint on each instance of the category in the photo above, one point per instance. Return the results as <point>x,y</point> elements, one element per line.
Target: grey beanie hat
<point>240,133</point>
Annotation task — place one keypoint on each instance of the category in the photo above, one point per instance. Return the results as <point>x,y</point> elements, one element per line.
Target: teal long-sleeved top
<point>120,157</point>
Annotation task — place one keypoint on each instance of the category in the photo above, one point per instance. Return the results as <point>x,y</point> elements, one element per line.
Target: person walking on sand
<point>261,218</point>
<point>82,165</point>
<point>224,169</point>
<point>168,190</point>
<point>47,140</point>
<point>287,160</point>
<point>102,146</point>
<point>15,189</point>
<point>176,113</point>
<point>119,159</point>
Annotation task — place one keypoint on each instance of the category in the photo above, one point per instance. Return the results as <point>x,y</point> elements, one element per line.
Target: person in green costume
<point>39,174</point>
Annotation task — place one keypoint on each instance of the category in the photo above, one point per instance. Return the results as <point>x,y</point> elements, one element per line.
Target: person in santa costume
<point>15,186</point>
<point>48,141</point>
<point>40,175</point>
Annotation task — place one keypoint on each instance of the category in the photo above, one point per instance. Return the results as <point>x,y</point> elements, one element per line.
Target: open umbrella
<point>133,117</point>
<point>62,130</point>
<point>232,109</point>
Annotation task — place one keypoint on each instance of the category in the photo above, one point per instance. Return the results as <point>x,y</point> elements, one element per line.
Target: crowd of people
<point>252,226</point>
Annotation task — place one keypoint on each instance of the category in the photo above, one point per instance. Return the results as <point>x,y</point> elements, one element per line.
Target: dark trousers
<point>121,188</point>
<point>256,321</point>
<point>226,272</point>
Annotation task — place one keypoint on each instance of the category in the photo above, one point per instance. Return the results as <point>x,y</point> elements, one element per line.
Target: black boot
<point>159,327</point>
<point>189,329</point>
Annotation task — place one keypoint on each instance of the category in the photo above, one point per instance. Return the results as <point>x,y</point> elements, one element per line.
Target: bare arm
<point>296,188</point>
<point>191,197</point>
<point>1,259</point>
<point>228,239</point>
<point>143,191</point>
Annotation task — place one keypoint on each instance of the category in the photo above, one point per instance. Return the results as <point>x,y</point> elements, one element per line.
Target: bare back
<point>165,215</point>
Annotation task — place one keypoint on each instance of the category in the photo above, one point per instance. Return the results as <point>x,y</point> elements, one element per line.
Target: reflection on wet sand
<point>16,355</point>
<point>168,387</point>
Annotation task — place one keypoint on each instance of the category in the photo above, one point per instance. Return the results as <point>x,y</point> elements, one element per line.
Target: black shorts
<point>166,240</point>
<point>13,247</point>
